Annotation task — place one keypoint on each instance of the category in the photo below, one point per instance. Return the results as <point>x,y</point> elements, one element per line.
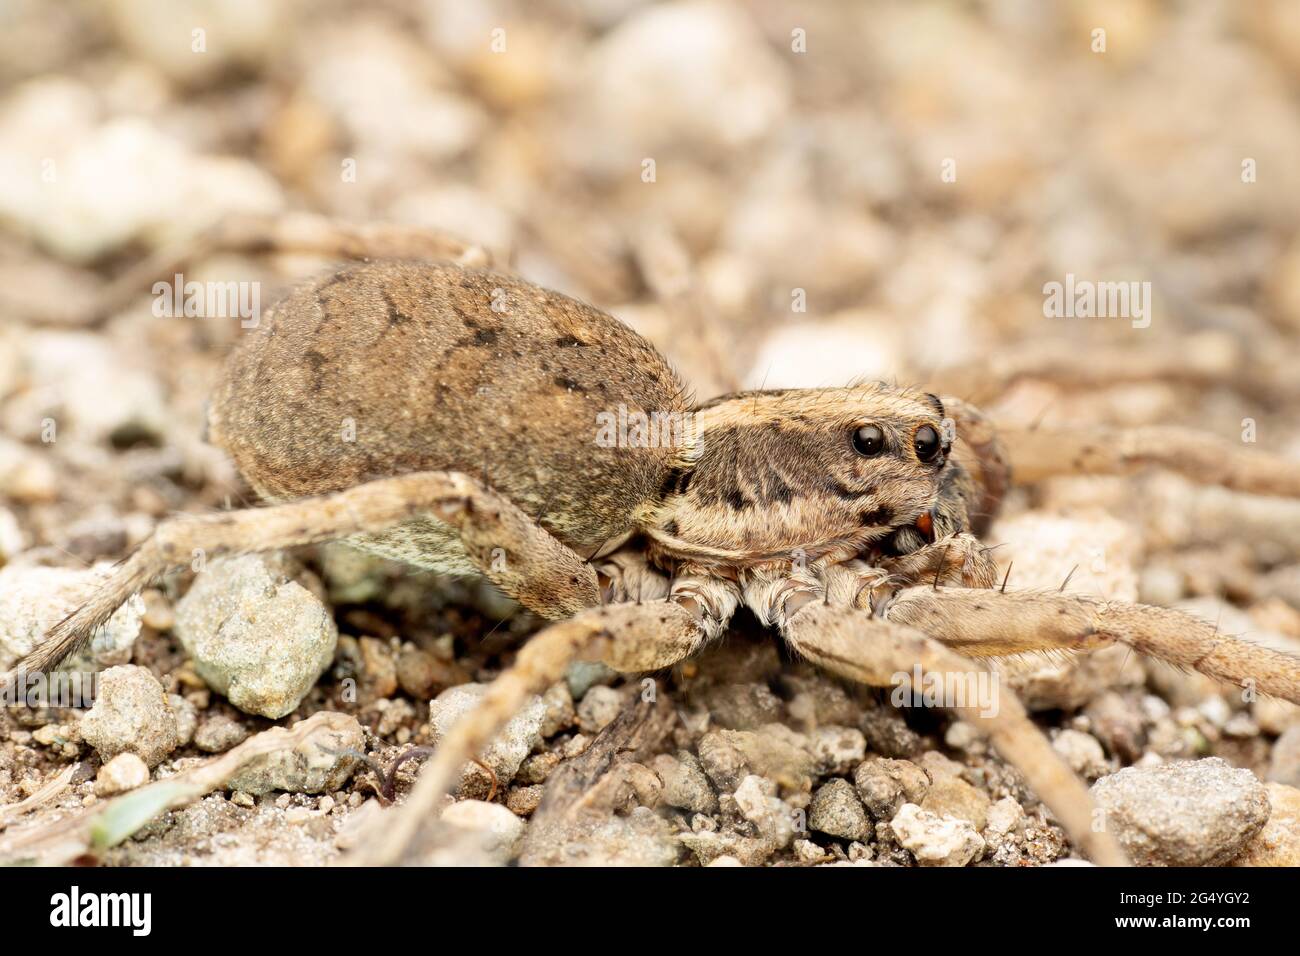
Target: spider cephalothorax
<point>452,417</point>
<point>825,473</point>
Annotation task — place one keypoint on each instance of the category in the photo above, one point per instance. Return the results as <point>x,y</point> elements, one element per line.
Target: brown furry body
<point>391,368</point>
<point>415,359</point>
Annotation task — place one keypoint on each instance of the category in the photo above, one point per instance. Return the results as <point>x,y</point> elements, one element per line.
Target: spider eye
<point>869,441</point>
<point>927,443</point>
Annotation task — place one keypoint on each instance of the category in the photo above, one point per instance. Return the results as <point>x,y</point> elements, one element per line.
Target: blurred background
<point>776,193</point>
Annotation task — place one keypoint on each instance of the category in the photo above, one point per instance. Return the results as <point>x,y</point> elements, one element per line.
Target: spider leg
<point>630,638</point>
<point>296,233</point>
<point>849,642</point>
<point>1058,363</point>
<point>959,554</point>
<point>538,570</point>
<point>993,624</point>
<point>1036,454</point>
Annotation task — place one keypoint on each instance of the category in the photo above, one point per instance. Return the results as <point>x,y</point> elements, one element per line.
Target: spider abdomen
<point>389,367</point>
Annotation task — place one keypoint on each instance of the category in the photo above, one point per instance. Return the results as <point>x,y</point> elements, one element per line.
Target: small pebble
<point>505,753</point>
<point>936,840</point>
<point>131,714</point>
<point>124,772</point>
<point>884,785</point>
<point>499,830</point>
<point>598,708</point>
<point>255,634</point>
<point>685,784</point>
<point>218,732</point>
<point>1082,752</point>
<point>836,811</point>
<point>524,801</point>
<point>322,762</point>
<point>952,796</point>
<point>837,749</point>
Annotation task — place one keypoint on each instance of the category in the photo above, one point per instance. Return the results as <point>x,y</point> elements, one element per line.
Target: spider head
<point>816,472</point>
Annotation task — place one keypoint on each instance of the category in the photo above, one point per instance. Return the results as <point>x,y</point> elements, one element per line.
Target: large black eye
<point>869,440</point>
<point>927,443</point>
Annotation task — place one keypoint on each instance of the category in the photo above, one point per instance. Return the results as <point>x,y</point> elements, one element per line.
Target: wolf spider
<point>840,517</point>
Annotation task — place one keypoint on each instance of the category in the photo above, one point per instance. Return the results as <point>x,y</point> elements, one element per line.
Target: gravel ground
<point>777,173</point>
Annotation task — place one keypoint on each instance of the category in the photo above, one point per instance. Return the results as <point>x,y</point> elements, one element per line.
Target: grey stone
<point>771,817</point>
<point>1191,813</point>
<point>685,784</point>
<point>131,715</point>
<point>836,749</point>
<point>772,751</point>
<point>498,831</point>
<point>218,733</point>
<point>884,785</point>
<point>836,811</point>
<point>124,772</point>
<point>322,763</point>
<point>1082,752</point>
<point>742,706</point>
<point>255,635</point>
<point>506,751</point>
<point>599,706</point>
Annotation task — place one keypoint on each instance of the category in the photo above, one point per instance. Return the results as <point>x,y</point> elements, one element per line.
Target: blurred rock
<point>599,706</point>
<point>634,91</point>
<point>88,390</point>
<point>12,538</point>
<point>506,751</point>
<point>1278,843</point>
<point>499,830</point>
<point>322,763</point>
<point>234,33</point>
<point>1102,552</point>
<point>1082,752</point>
<point>109,184</point>
<point>32,600</point>
<point>1285,764</point>
<point>124,772</point>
